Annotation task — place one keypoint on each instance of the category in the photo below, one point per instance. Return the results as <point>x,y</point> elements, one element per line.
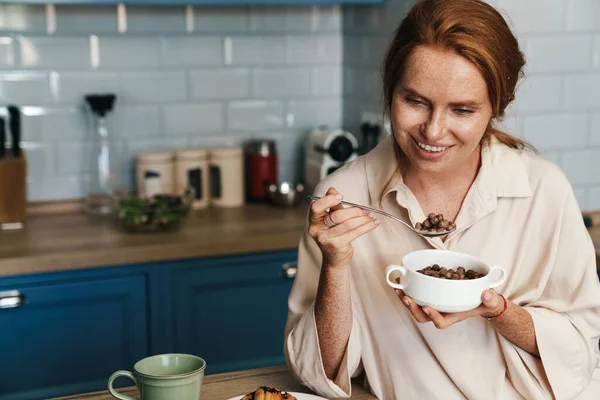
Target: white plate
<point>299,396</point>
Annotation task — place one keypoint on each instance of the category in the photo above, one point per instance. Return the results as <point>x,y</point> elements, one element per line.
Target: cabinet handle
<point>288,271</point>
<point>11,299</point>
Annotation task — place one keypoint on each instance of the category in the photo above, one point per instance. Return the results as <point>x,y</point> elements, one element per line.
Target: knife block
<point>13,189</point>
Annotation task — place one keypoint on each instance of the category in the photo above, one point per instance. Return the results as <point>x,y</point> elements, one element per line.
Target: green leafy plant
<point>156,214</point>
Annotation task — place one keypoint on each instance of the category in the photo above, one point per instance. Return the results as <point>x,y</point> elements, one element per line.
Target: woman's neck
<point>457,179</point>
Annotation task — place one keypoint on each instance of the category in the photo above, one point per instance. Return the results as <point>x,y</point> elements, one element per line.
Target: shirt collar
<point>502,174</point>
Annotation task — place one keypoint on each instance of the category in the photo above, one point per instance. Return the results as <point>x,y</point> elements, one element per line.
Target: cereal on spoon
<point>435,223</point>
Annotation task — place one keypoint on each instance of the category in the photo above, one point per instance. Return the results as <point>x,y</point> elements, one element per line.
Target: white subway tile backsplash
<point>155,20</point>
<point>137,52</point>
<point>255,115</point>
<point>511,125</point>
<point>328,18</point>
<point>73,86</point>
<point>326,81</point>
<point>74,158</point>
<point>258,50</point>
<point>285,70</point>
<point>219,140</point>
<point>593,200</point>
<point>581,196</point>
<point>357,49</point>
<point>222,83</point>
<point>137,121</point>
<point>50,124</point>
<point>553,156</point>
<point>284,19</point>
<point>534,15</point>
<point>539,93</point>
<point>191,51</point>
<point>582,166</point>
<point>557,53</point>
<point>281,82</point>
<point>25,88</point>
<point>54,52</point>
<point>132,147</point>
<point>324,49</point>
<point>23,18</point>
<point>558,131</point>
<point>88,19</point>
<point>596,52</point>
<point>348,80</point>
<point>582,91</point>
<point>56,188</point>
<point>7,55</point>
<point>221,19</point>
<point>595,129</point>
<point>154,86</point>
<point>307,114</point>
<point>193,119</point>
<point>40,159</point>
<point>583,15</point>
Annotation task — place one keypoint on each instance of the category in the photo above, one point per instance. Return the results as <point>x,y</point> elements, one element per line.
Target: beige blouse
<point>520,213</point>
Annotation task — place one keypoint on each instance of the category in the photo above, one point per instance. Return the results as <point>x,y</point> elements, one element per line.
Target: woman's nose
<point>434,127</point>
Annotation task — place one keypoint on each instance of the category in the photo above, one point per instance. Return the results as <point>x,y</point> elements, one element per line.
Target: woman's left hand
<point>491,305</point>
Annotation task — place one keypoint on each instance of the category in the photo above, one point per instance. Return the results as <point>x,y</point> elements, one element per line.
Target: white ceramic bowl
<point>442,294</point>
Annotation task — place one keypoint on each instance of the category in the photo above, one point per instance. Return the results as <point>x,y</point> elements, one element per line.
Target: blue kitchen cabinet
<point>65,333</point>
<point>232,311</point>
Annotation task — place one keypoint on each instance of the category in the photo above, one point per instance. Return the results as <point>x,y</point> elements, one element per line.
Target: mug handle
<point>501,279</point>
<point>115,376</point>
<point>391,269</point>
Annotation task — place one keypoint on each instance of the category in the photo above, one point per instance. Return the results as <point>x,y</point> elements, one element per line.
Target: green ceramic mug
<point>164,377</point>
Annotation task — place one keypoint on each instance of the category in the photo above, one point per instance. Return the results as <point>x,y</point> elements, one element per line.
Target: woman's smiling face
<point>440,110</point>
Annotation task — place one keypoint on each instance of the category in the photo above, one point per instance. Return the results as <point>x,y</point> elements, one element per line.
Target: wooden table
<point>228,385</point>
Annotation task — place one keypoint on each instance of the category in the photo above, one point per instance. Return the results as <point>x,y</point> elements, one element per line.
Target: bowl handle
<point>501,279</point>
<point>391,269</point>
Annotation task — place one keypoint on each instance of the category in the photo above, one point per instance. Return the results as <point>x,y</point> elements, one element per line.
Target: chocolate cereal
<point>460,274</point>
<point>435,223</point>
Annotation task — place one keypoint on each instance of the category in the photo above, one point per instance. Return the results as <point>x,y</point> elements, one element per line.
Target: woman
<point>451,70</point>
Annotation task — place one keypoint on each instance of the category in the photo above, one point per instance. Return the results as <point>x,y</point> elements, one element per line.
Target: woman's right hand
<point>334,227</point>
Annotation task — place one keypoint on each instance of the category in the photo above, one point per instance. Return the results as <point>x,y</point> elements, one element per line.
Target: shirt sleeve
<point>302,351</point>
<point>566,316</point>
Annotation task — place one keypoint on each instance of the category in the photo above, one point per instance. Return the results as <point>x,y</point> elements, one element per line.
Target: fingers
<point>444,320</point>
<point>415,310</point>
<point>357,232</point>
<point>319,207</point>
<point>344,214</point>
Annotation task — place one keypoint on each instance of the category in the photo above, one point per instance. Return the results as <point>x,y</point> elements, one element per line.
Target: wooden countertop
<point>73,240</point>
<point>228,385</point>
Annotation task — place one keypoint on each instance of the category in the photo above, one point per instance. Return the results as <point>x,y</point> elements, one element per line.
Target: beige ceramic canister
<point>226,177</point>
<point>155,173</point>
<point>191,171</point>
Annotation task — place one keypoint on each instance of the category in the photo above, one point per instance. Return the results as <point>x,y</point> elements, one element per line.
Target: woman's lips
<point>428,154</point>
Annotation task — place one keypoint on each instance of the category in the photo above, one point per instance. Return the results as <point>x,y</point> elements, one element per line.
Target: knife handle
<point>2,138</point>
<point>15,130</point>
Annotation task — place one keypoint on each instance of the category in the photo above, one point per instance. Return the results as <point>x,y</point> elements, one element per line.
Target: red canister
<point>261,168</point>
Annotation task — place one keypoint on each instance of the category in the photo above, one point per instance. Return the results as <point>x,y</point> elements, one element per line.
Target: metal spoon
<point>412,228</point>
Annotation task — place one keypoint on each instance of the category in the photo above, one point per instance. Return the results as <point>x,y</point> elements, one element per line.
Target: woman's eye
<point>413,101</point>
<point>463,111</point>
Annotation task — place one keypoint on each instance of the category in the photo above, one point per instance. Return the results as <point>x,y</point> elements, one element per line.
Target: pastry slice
<point>268,393</point>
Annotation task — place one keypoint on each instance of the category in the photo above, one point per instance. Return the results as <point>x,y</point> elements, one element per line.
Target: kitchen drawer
<point>65,337</point>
